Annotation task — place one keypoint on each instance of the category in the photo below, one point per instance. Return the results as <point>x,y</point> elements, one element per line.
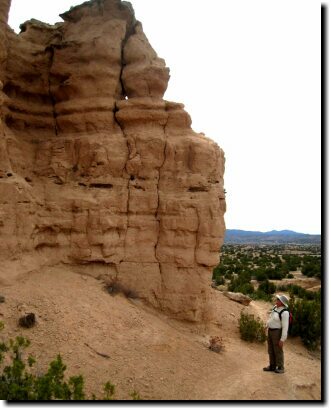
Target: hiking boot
<point>269,369</point>
<point>279,370</point>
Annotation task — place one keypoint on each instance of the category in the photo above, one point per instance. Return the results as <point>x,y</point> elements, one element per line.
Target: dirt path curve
<point>113,338</point>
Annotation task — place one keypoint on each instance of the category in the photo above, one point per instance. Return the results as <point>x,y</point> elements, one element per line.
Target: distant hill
<point>271,237</point>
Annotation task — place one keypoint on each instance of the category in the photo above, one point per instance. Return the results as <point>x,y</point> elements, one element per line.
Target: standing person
<point>277,325</point>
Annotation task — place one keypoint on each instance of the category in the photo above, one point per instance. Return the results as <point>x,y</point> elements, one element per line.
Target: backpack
<point>290,318</point>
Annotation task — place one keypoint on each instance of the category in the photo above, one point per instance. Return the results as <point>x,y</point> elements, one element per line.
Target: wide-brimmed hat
<point>283,299</point>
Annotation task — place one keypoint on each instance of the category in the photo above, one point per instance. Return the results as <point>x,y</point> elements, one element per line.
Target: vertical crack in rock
<point>4,146</point>
<point>197,236</point>
<point>124,171</point>
<point>130,30</point>
<point>100,4</point>
<point>122,67</point>
<point>51,50</point>
<point>157,217</point>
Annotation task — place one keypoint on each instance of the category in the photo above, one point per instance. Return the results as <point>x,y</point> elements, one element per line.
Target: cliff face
<point>96,169</point>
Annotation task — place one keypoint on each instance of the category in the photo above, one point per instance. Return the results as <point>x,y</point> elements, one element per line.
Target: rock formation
<point>238,297</point>
<point>97,170</point>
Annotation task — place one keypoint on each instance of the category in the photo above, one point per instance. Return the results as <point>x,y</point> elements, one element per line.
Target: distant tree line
<point>239,266</point>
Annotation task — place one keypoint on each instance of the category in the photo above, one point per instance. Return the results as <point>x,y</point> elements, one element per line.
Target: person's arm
<point>285,320</point>
<point>269,318</point>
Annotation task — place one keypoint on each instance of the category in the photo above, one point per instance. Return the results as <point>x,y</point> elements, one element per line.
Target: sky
<point>249,75</point>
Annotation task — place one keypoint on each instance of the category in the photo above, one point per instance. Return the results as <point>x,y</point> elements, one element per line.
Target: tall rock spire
<point>104,173</point>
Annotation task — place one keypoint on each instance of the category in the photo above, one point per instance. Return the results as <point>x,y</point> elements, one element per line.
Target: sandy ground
<point>112,338</point>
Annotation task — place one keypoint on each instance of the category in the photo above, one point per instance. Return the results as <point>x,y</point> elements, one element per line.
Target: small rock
<point>238,297</point>
<point>27,320</point>
<point>216,344</point>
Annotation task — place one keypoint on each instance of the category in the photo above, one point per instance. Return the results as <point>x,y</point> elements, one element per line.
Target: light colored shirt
<point>275,323</point>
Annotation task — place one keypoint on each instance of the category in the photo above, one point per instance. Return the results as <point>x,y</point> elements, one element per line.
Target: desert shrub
<point>282,288</point>
<point>135,395</point>
<point>18,381</point>
<point>241,283</point>
<point>261,275</point>
<point>238,285</point>
<point>290,276</point>
<point>228,275</point>
<point>218,271</point>
<point>251,328</point>
<point>109,391</point>
<point>311,266</point>
<point>267,287</point>
<point>260,295</point>
<point>277,272</point>
<point>306,321</point>
<point>264,292</point>
<point>310,295</point>
<point>303,293</point>
<point>292,261</point>
<point>297,290</point>
<point>220,280</point>
<point>246,288</point>
<point>114,287</point>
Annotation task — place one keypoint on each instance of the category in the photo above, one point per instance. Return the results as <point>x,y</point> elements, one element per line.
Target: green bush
<point>238,285</point>
<point>228,275</point>
<point>261,276</point>
<point>303,293</point>
<point>218,271</point>
<point>282,288</point>
<point>251,329</point>
<point>18,382</point>
<point>306,321</point>
<point>312,267</point>
<point>246,288</point>
<point>259,294</point>
<point>220,280</point>
<point>267,287</point>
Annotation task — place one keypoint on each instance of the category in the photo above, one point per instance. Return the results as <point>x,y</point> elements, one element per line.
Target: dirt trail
<point>108,337</point>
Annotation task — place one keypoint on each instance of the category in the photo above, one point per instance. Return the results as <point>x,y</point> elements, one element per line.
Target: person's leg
<point>279,353</point>
<point>271,352</point>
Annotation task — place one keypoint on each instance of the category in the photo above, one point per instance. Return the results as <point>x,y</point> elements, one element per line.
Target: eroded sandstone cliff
<point>97,170</point>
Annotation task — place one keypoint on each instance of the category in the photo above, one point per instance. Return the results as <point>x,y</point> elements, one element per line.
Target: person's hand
<point>280,344</point>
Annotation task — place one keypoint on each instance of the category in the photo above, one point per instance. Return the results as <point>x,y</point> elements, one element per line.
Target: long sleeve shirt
<point>275,323</point>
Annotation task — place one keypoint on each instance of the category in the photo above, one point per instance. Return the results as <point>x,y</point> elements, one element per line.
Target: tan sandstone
<point>97,170</point>
<point>238,297</point>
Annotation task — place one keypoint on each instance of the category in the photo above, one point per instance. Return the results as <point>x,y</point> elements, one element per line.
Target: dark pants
<point>276,354</point>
